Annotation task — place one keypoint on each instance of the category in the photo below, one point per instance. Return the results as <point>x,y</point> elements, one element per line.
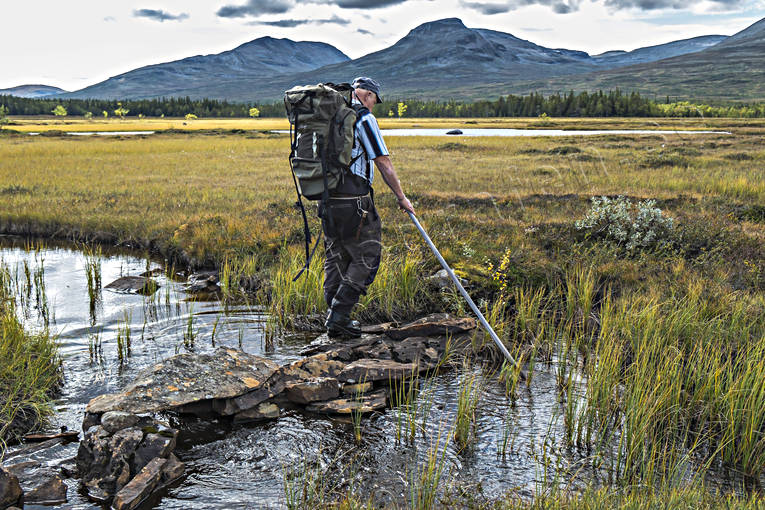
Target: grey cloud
<point>255,8</point>
<point>365,4</point>
<point>363,32</point>
<point>355,4</point>
<point>486,8</point>
<point>568,6</point>
<point>559,6</point>
<point>110,18</point>
<point>649,5</point>
<point>260,7</point>
<point>291,23</point>
<point>159,15</point>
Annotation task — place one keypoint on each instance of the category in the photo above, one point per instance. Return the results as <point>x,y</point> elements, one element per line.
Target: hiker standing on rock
<point>353,248</point>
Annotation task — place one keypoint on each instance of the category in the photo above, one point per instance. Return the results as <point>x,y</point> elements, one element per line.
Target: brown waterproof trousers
<point>352,247</point>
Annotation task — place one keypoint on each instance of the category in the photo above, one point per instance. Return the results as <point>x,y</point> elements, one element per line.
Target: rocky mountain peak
<point>438,27</point>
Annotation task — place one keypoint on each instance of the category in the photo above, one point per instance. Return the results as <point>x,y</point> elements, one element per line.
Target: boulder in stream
<point>321,388</point>
<point>40,485</point>
<point>436,324</point>
<point>371,370</point>
<point>203,283</point>
<point>10,489</point>
<point>365,404</point>
<point>262,412</point>
<point>186,379</point>
<point>154,475</point>
<point>107,460</point>
<point>134,284</point>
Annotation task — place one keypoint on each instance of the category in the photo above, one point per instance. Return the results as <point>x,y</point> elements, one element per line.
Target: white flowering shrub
<point>633,226</point>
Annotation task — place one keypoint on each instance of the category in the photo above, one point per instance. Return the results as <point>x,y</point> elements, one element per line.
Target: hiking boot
<point>341,326</point>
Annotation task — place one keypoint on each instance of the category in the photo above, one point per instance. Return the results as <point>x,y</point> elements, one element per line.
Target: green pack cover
<point>322,124</point>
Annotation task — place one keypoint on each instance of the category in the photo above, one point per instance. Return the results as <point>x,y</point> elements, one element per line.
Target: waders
<point>464,293</point>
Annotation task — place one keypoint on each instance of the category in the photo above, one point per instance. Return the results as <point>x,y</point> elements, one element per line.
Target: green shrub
<point>631,226</point>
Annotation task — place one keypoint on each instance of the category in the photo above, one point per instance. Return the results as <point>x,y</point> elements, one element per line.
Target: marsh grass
<point>95,348</point>
<point>425,480</point>
<point>694,496</point>
<point>30,368</point>
<point>305,486</point>
<point>124,338</point>
<point>93,256</point>
<point>189,335</point>
<point>657,354</point>
<point>470,391</point>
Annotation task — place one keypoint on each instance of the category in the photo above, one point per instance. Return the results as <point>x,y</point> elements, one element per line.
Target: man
<point>352,233</point>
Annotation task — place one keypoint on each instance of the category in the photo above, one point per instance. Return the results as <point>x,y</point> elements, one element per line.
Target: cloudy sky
<point>78,43</point>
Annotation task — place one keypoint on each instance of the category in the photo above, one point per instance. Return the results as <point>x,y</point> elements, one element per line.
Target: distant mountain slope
<point>732,70</point>
<point>254,60</point>
<point>32,91</point>
<point>750,35</point>
<point>658,52</point>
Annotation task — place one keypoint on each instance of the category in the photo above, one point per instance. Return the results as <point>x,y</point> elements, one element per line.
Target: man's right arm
<point>385,166</point>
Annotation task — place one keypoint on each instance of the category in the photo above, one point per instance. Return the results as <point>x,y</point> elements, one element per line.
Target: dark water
<point>246,466</point>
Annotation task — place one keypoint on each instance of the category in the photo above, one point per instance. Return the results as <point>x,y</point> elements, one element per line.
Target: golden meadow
<point>671,339</point>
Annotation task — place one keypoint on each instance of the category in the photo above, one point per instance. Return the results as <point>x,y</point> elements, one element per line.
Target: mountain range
<point>732,70</point>
<point>445,59</point>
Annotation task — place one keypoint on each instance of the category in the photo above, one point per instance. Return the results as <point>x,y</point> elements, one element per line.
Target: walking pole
<point>464,293</point>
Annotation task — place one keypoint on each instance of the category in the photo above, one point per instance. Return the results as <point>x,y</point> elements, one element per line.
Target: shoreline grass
<point>30,370</point>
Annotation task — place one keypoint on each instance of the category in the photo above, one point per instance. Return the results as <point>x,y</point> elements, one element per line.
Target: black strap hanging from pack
<point>324,206</point>
<point>299,203</point>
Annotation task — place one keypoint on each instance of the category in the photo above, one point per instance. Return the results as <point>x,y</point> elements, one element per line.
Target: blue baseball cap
<point>362,82</point>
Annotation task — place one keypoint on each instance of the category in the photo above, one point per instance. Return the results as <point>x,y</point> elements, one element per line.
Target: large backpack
<point>322,122</point>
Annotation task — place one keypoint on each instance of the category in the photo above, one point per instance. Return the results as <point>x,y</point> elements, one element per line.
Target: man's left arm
<point>385,166</point>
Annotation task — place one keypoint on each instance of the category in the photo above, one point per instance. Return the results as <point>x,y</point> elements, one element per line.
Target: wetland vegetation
<point>650,316</point>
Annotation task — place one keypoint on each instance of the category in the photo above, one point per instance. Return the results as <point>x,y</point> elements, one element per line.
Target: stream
<point>518,447</point>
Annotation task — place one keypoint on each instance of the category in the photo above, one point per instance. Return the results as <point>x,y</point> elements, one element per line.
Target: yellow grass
<point>215,196</point>
<point>78,124</point>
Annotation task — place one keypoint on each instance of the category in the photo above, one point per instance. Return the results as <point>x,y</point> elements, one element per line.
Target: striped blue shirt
<point>369,144</point>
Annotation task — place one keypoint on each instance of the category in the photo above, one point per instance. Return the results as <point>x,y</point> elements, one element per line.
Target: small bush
<point>739,156</point>
<point>452,146</point>
<point>662,159</point>
<point>564,149</point>
<point>634,227</point>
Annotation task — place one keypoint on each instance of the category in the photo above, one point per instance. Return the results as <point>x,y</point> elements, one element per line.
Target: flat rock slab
<point>433,325</point>
<point>134,284</point>
<point>157,473</point>
<point>41,485</point>
<point>188,378</point>
<point>301,370</point>
<point>262,412</point>
<point>366,404</point>
<point>370,370</point>
<point>305,392</point>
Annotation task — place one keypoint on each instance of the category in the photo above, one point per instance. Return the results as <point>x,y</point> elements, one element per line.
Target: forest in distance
<point>613,103</point>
